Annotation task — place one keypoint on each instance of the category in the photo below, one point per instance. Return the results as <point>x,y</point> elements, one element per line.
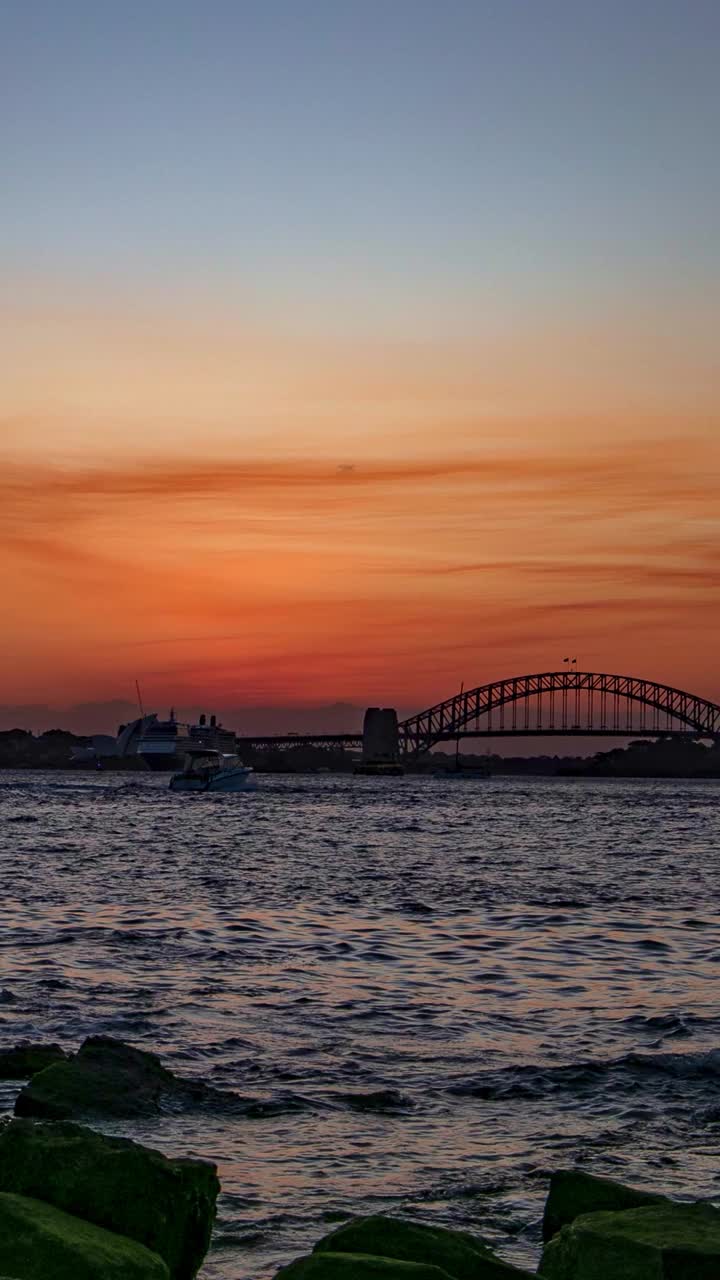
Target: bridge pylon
<point>381,743</point>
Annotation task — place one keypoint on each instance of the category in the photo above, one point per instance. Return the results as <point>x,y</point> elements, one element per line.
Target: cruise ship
<point>162,744</point>
<point>208,733</point>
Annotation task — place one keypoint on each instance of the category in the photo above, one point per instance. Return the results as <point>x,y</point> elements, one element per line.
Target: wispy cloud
<point>329,581</point>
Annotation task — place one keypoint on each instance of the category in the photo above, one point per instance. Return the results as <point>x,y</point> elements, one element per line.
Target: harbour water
<point>425,993</point>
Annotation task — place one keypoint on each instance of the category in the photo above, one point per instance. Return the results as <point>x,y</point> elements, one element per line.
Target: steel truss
<point>588,703</point>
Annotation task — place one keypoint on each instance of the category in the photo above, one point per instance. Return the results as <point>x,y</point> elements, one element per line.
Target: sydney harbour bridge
<point>567,703</point>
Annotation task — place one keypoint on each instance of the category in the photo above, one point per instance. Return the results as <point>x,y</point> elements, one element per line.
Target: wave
<point>629,1074</point>
<point>198,1095</point>
<point>538,1081</point>
<point>670,1025</point>
<point>378,1100</point>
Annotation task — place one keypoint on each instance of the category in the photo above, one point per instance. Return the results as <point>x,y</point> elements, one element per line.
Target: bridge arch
<point>594,692</point>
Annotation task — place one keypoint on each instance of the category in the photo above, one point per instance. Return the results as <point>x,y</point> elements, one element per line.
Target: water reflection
<point>436,994</point>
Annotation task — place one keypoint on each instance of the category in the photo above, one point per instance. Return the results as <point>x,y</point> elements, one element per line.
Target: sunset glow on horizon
<point>270,470</point>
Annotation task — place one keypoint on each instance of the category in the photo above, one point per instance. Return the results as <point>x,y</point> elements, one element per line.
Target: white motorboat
<point>207,770</point>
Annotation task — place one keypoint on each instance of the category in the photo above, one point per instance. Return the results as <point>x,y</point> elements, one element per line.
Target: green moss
<point>573,1193</point>
<point>352,1266</point>
<point>662,1242</point>
<point>38,1241</point>
<point>25,1060</point>
<point>167,1205</point>
<point>461,1255</point>
<point>105,1077</point>
<point>671,1224</point>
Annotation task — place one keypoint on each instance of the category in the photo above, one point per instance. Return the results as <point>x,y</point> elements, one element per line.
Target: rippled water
<point>428,993</point>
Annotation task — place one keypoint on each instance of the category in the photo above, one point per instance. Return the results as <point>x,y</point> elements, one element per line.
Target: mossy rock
<point>167,1205</point>
<point>109,1078</point>
<point>573,1193</point>
<point>461,1255</point>
<point>104,1077</point>
<point>40,1242</point>
<point>358,1266</point>
<point>662,1242</point>
<point>25,1060</point>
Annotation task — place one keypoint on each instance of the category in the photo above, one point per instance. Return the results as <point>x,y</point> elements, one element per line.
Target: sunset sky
<point>351,350</point>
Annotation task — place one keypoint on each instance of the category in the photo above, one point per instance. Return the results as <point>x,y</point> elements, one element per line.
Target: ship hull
<point>161,761</point>
<point>224,780</point>
<point>163,744</point>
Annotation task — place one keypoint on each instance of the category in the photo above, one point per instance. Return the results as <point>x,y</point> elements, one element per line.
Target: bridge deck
<point>566,703</point>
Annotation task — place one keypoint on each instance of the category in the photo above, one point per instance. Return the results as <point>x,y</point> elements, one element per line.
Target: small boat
<point>380,769</point>
<point>207,770</point>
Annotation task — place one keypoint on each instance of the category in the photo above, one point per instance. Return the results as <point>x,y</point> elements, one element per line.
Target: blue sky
<point>364,160</point>
<point>468,248</point>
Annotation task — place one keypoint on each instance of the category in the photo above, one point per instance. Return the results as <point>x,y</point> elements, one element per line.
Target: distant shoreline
<point>532,769</point>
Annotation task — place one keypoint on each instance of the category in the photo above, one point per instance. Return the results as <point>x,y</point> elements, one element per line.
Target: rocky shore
<point>76,1204</point>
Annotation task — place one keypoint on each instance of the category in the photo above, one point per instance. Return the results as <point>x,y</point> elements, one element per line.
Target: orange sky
<point>241,516</point>
<point>355,357</point>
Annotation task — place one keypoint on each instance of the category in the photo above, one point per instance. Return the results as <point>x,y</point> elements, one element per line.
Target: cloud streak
<point>311,580</point>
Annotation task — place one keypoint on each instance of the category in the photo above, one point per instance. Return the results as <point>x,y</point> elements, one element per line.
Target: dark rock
<point>25,1060</point>
<point>107,1077</point>
<point>351,1266</point>
<point>167,1205</point>
<point>40,1242</point>
<point>573,1193</point>
<point>457,1253</point>
<point>454,1251</point>
<point>663,1242</point>
<point>104,1076</point>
